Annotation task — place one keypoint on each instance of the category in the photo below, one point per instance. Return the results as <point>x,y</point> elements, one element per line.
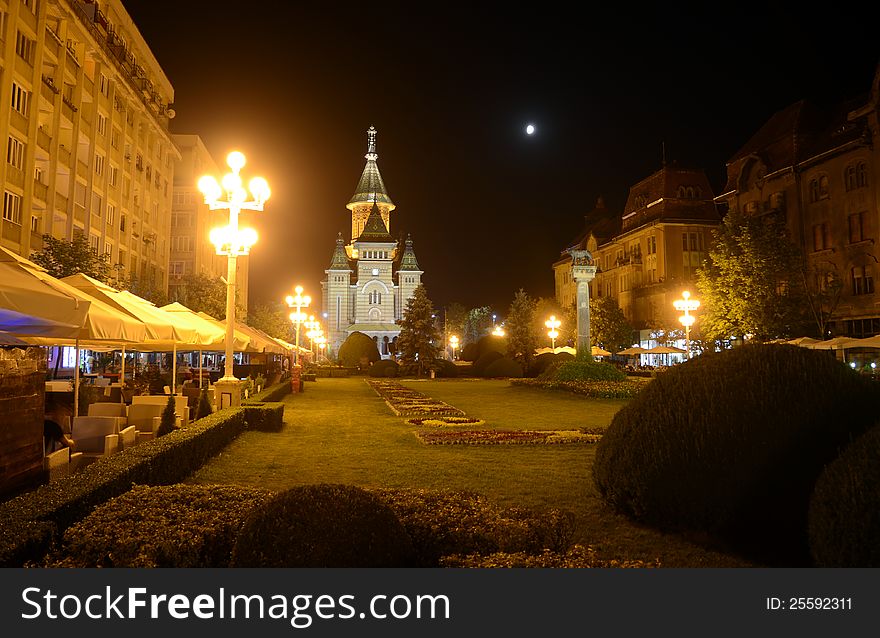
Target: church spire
<point>339,261</point>
<point>408,259</point>
<point>371,155</point>
<point>375,229</point>
<point>370,188</point>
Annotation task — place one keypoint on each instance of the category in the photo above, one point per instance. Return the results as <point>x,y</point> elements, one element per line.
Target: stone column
<point>583,271</point>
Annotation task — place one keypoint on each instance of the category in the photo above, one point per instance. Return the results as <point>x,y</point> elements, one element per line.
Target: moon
<point>530,129</point>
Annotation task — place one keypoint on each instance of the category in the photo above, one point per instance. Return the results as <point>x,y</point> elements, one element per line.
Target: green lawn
<point>340,431</point>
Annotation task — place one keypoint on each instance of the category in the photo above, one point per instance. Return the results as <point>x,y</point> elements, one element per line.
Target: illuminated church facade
<point>371,278</point>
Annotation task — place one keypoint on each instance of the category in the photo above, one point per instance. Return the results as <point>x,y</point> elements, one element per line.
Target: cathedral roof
<point>408,260</point>
<point>370,187</point>
<point>375,230</point>
<point>339,261</point>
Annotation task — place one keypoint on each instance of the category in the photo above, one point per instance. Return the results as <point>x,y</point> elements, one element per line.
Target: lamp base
<point>227,393</point>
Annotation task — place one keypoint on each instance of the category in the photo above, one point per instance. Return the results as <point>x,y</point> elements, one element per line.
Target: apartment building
<point>191,251</point>
<point>85,115</point>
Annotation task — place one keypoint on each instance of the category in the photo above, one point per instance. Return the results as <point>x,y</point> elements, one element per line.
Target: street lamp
<point>686,305</point>
<point>232,241</point>
<point>498,332</point>
<point>299,302</point>
<point>453,341</point>
<point>553,323</point>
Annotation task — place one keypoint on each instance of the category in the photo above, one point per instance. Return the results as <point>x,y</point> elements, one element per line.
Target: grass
<point>340,431</point>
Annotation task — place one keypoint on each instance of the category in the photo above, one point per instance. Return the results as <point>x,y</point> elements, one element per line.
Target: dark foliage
<point>480,365</point>
<point>169,419</point>
<point>384,368</point>
<point>323,526</point>
<point>731,444</point>
<point>504,367</point>
<point>445,369</point>
<point>204,408</point>
<point>844,520</point>
<point>358,350</point>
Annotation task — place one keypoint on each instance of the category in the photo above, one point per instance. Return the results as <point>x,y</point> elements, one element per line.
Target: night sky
<point>451,91</point>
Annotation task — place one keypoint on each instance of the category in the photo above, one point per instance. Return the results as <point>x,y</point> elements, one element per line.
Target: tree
<point>168,421</point>
<point>418,335</point>
<point>62,258</point>
<point>271,319</point>
<point>520,328</point>
<point>456,317</point>
<point>823,286</point>
<point>146,288</point>
<point>358,350</point>
<point>201,293</point>
<point>609,327</point>
<point>479,323</point>
<point>751,283</point>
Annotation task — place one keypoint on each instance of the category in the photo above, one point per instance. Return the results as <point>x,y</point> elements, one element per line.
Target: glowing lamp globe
<point>236,160</point>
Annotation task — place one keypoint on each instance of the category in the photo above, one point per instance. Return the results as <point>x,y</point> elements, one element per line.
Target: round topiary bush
<point>504,367</point>
<point>540,363</point>
<point>470,352</point>
<point>491,343</point>
<point>384,368</point>
<point>730,444</point>
<point>446,369</point>
<point>583,370</point>
<point>844,519</point>
<point>358,350</point>
<point>323,526</point>
<point>479,367</point>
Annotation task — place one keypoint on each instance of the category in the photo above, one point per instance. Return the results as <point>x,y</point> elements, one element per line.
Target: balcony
<point>79,213</point>
<point>53,43</point>
<point>14,176</point>
<point>43,139</point>
<point>63,155</point>
<point>41,191</point>
<point>82,169</point>
<point>60,202</point>
<point>19,121</point>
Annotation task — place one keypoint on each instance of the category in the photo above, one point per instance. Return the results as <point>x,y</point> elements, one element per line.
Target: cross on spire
<point>371,144</point>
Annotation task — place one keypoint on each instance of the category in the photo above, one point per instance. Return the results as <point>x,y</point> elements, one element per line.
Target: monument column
<point>583,271</point>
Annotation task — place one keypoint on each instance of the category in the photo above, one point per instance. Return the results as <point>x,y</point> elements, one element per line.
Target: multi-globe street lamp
<point>232,241</point>
<point>498,331</point>
<point>686,305</point>
<point>453,341</point>
<point>553,323</point>
<point>299,302</point>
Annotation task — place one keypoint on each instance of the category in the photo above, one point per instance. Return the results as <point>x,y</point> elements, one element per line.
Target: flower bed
<point>405,402</point>
<point>506,437</point>
<point>593,389</point>
<point>445,421</point>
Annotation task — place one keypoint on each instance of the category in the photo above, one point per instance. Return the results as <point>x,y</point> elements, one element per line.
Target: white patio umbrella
<point>596,351</point>
<point>212,334</point>
<point>837,343</point>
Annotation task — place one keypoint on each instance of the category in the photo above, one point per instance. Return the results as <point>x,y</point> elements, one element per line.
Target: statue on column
<point>582,272</point>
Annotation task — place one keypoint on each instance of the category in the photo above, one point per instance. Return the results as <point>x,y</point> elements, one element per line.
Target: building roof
<point>339,261</point>
<point>674,193</point>
<point>370,187</point>
<point>599,222</point>
<point>408,259</point>
<point>375,230</point>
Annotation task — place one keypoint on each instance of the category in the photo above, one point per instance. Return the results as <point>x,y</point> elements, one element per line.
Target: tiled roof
<point>375,230</point>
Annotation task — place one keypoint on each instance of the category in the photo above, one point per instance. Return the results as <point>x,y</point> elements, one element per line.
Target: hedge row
<point>263,417</point>
<point>275,393</point>
<point>30,522</point>
<point>593,389</point>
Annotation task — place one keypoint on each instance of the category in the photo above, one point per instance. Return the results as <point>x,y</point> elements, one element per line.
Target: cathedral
<point>371,278</point>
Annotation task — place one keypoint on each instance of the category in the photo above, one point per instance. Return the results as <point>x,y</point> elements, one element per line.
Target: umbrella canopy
<point>633,351</point>
<point>241,342</point>
<point>210,332</point>
<point>868,342</point>
<point>29,305</point>
<point>665,350</point>
<point>831,344</point>
<point>596,351</point>
<point>161,326</point>
<point>802,341</point>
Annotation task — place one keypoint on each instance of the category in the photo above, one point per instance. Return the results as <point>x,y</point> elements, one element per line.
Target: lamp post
<point>232,241</point>
<point>299,302</point>
<point>498,331</point>
<point>453,341</point>
<point>553,323</point>
<point>686,305</point>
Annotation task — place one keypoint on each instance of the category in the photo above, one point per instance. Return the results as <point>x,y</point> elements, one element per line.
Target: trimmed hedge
<point>844,519</point>
<point>592,389</point>
<point>445,369</point>
<point>479,367</point>
<point>263,417</point>
<point>275,393</point>
<point>384,368</point>
<point>730,445</point>
<point>168,526</point>
<point>164,460</point>
<point>322,526</point>
<point>358,349</point>
<point>504,367</point>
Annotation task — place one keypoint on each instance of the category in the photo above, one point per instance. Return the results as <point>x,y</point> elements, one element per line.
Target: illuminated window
<point>862,280</point>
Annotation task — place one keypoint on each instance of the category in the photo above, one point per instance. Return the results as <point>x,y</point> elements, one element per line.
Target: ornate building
<point>371,278</point>
<point>649,254</point>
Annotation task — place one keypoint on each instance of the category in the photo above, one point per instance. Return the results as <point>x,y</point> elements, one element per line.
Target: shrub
<point>323,526</point>
<point>479,367</point>
<point>383,368</point>
<point>587,371</point>
<point>168,421</point>
<point>204,409</point>
<point>540,363</point>
<point>445,369</point>
<point>470,352</point>
<point>731,444</point>
<point>24,541</point>
<point>358,350</point>
<point>844,519</point>
<point>504,367</point>
<point>491,343</point>
<point>170,526</point>
<point>446,522</point>
<point>264,417</point>
<point>273,393</point>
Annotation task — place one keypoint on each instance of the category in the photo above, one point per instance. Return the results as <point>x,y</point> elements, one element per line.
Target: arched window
<point>690,192</point>
<point>823,187</point>
<point>861,175</point>
<point>814,190</point>
<point>681,192</point>
<point>849,177</point>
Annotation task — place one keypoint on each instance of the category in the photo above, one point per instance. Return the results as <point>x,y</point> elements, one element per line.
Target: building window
<point>861,175</point>
<point>115,133</point>
<point>97,205</point>
<point>823,187</point>
<point>652,244</point>
<point>21,99</point>
<point>857,230</point>
<point>104,85</point>
<point>122,223</point>
<point>821,237</point>
<point>111,215</point>
<point>102,124</point>
<point>35,224</point>
<point>374,298</point>
<point>176,268</point>
<point>814,190</point>
<point>24,47</point>
<point>114,175</point>
<point>12,207</point>
<point>99,164</point>
<point>862,281</point>
<point>15,152</point>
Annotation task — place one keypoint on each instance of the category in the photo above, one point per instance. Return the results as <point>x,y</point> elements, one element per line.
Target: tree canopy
<point>201,293</point>
<point>520,328</point>
<point>418,340</point>
<point>609,327</point>
<point>271,319</point>
<point>751,283</point>
<point>62,258</point>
